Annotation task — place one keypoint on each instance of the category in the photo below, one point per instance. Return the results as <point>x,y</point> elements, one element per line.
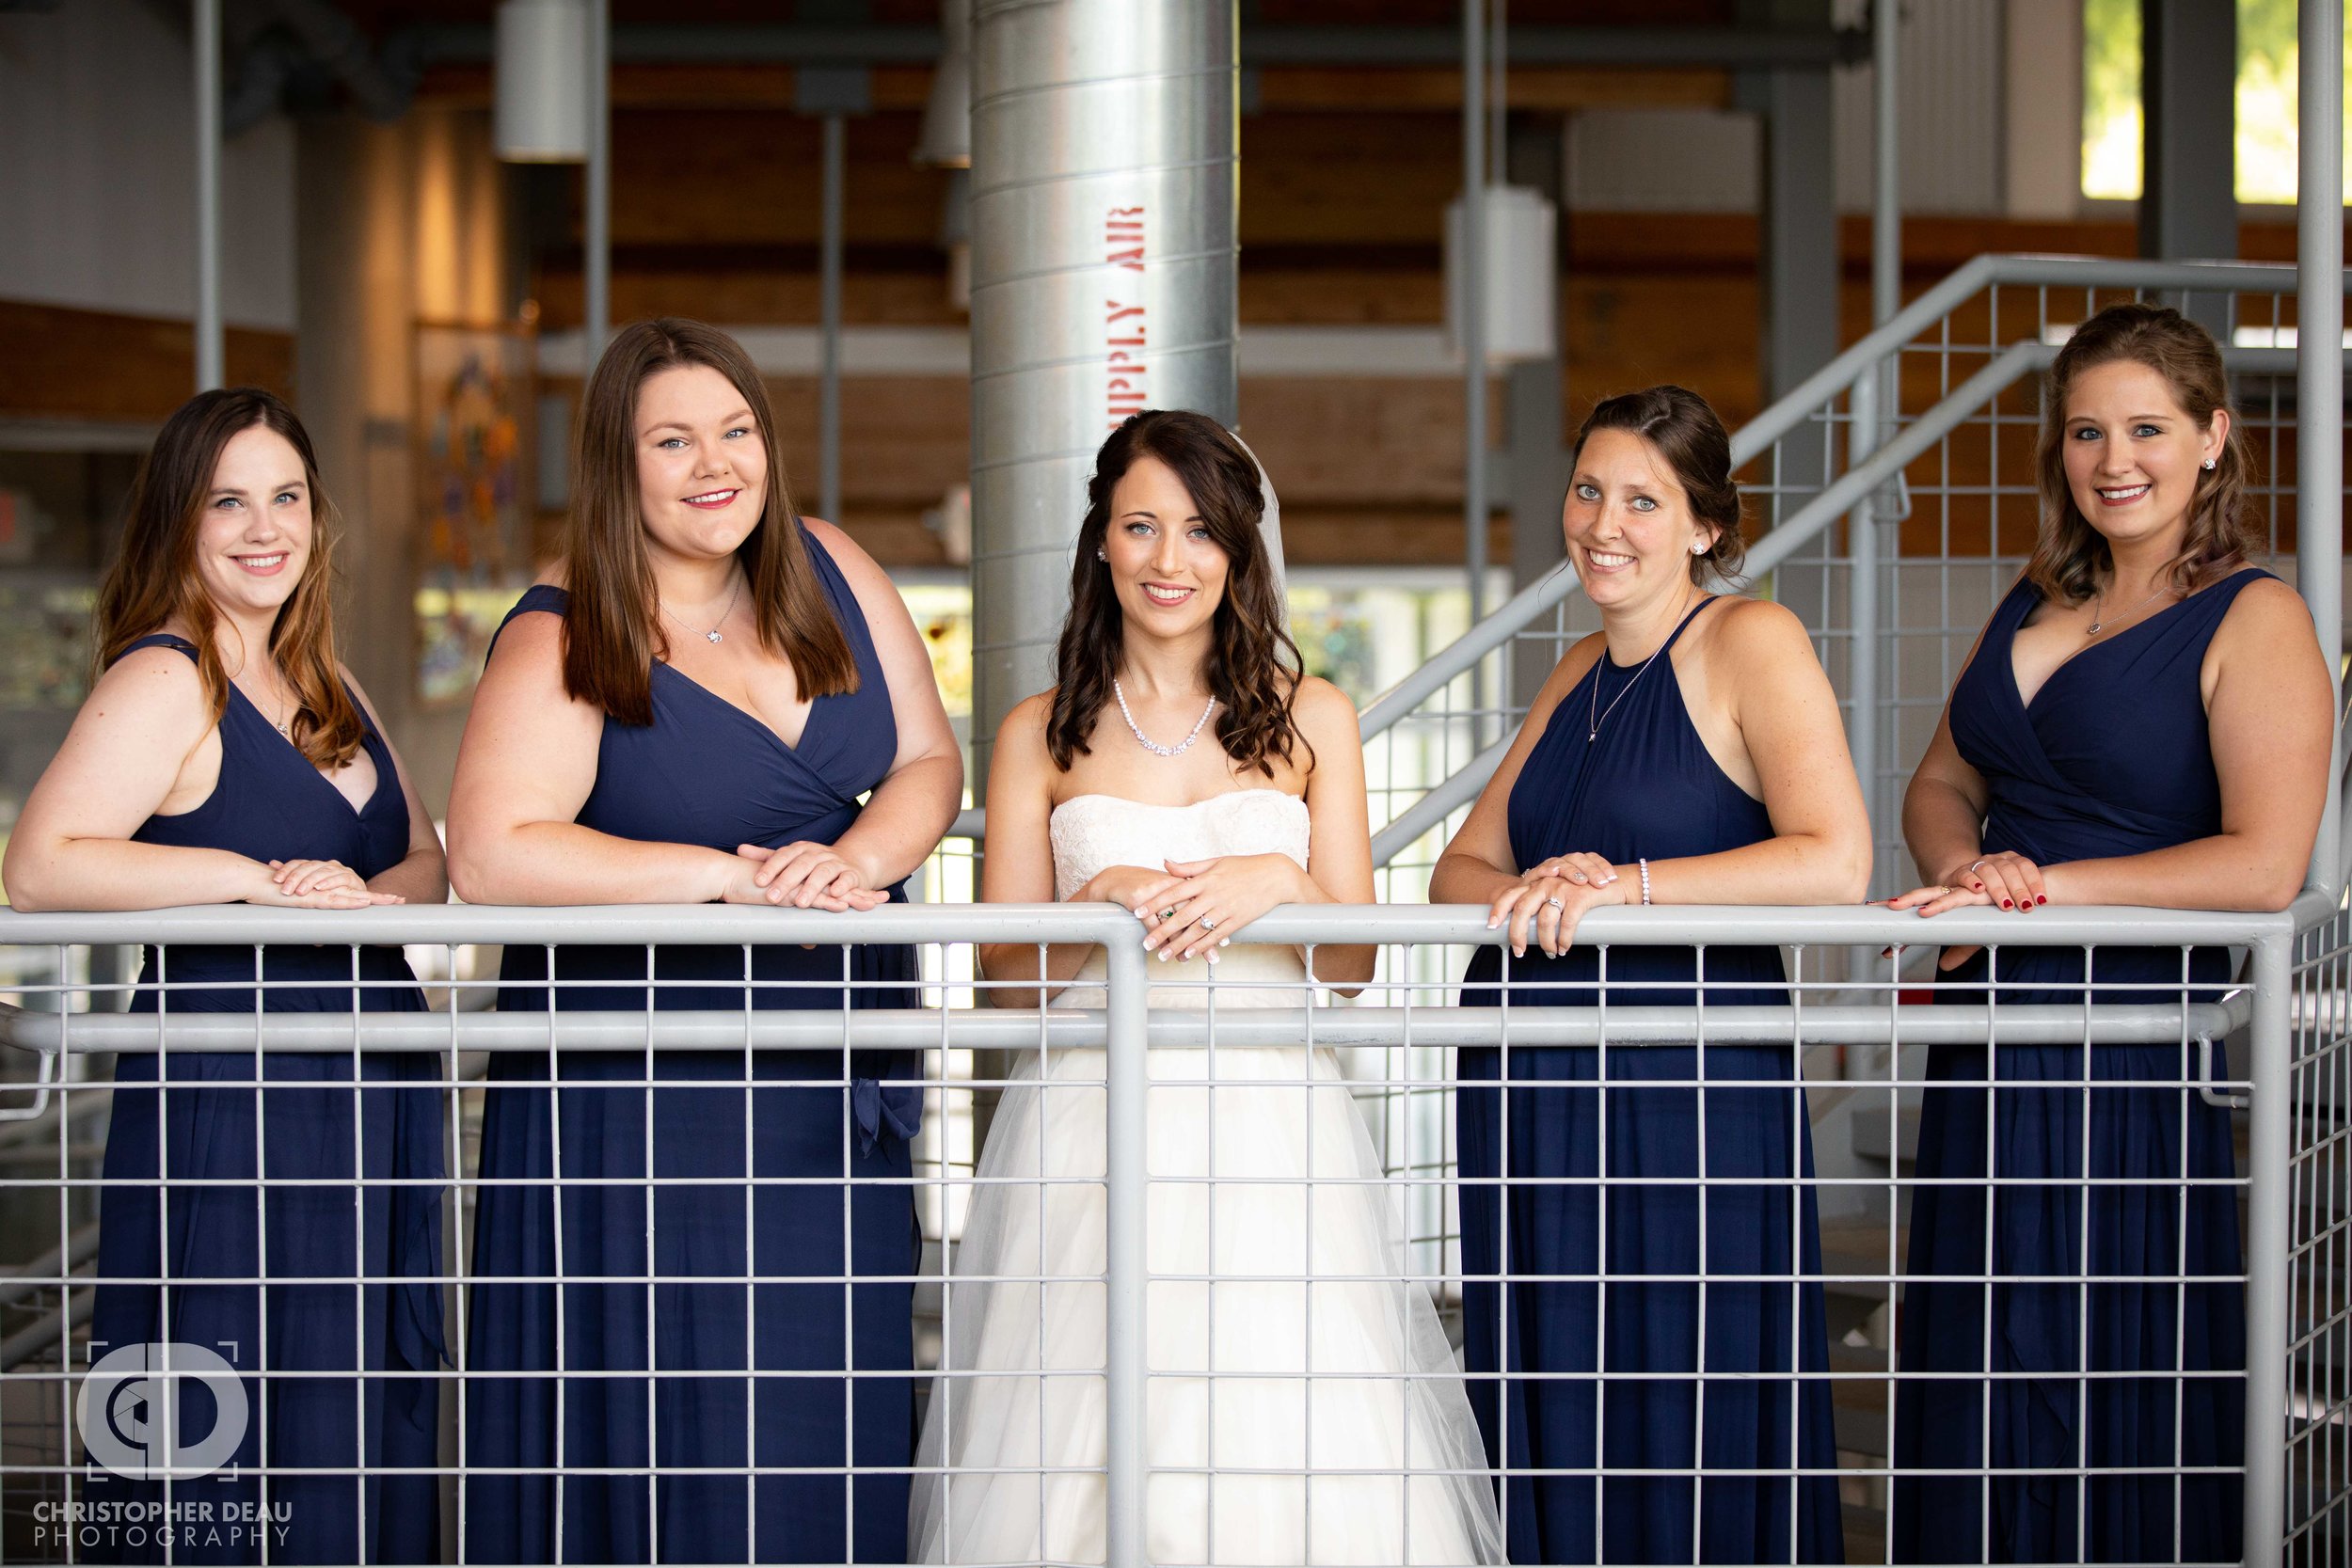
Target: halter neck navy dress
<point>271,804</point>
<point>1646,786</point>
<point>2111,757</point>
<point>706,772</point>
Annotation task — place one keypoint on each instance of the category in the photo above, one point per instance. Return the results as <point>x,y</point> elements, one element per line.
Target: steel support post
<point>1126,1066</point>
<point>2188,108</point>
<point>2319,369</point>
<point>1472,325</point>
<point>829,310</point>
<point>596,307</point>
<point>2268,1237</point>
<point>1871,405</point>
<point>211,339</point>
<point>1536,419</point>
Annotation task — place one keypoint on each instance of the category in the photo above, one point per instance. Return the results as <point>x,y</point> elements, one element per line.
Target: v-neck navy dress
<point>1646,786</point>
<point>2112,757</point>
<point>709,773</point>
<point>316,1127</point>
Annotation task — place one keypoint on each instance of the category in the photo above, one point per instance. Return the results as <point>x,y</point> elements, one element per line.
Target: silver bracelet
<point>1645,881</point>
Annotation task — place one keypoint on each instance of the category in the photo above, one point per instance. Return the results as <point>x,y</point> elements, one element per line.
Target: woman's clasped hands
<point>804,875</point>
<point>1190,908</point>
<point>1550,898</point>
<point>315,885</point>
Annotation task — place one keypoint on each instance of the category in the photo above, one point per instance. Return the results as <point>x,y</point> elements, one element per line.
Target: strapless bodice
<point>1093,832</point>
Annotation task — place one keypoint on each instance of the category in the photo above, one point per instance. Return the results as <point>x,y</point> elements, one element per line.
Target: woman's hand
<point>1197,906</point>
<point>1546,903</point>
<point>1123,885</point>
<point>313,885</point>
<point>2004,879</point>
<point>804,875</point>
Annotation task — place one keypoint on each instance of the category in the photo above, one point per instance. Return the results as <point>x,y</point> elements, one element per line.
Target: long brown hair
<point>1253,666</point>
<point>2070,560</point>
<point>613,632</point>
<point>1683,428</point>
<point>154,581</point>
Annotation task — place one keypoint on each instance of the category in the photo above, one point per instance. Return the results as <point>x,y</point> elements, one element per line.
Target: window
<point>2267,106</point>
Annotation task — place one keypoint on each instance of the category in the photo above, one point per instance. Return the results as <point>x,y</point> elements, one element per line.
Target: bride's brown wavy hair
<point>1253,666</point>
<point>2071,561</point>
<point>154,581</point>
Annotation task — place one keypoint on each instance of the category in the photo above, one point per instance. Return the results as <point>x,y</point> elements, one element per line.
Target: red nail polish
<point>2042,898</point>
<point>2005,902</point>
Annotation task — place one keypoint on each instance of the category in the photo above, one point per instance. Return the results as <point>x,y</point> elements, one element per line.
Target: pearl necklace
<point>1146,741</point>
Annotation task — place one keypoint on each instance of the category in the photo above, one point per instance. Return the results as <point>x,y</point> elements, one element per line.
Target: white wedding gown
<point>1324,1360</point>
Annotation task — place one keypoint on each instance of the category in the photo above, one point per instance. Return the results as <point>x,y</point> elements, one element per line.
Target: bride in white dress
<point>1182,768</point>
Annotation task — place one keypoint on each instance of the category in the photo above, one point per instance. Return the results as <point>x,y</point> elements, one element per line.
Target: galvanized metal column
<point>2319,363</point>
<point>837,141</point>
<point>1105,189</point>
<point>211,337</point>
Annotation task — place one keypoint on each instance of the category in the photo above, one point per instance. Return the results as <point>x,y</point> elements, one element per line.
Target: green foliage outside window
<point>2266,100</point>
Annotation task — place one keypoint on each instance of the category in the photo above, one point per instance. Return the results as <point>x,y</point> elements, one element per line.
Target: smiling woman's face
<point>2133,453</point>
<point>1169,574</point>
<point>253,538</point>
<point>1629,530</point>
<point>702,463</point>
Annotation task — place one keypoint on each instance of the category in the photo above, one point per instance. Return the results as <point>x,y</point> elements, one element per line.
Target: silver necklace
<point>1594,715</point>
<point>285,728</point>
<point>712,635</point>
<point>1146,741</point>
<point>2100,622</point>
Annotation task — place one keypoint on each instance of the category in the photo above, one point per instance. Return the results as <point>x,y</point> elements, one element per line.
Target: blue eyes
<point>1139,528</point>
<point>1592,493</point>
<point>283,498</point>
<point>2139,431</point>
<point>671,442</point>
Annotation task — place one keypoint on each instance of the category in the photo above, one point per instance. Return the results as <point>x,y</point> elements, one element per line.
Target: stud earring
<point>1099,556</point>
<point>1698,546</point>
<point>2209,463</point>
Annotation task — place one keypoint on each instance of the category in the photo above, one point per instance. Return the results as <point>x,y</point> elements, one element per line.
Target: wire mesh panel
<point>1257,1262</point>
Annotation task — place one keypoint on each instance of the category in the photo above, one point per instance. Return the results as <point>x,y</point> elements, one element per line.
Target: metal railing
<point>1844,1045</point>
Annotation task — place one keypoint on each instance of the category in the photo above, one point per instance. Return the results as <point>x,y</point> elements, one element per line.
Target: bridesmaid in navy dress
<point>692,712</point>
<point>2145,720</point>
<point>1689,753</point>
<point>224,757</point>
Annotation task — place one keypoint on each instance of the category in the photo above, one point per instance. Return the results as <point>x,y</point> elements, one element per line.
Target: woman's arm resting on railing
<point>911,809</point>
<point>1788,722</point>
<point>524,769</point>
<point>1234,890</point>
<point>143,743</point>
<point>2269,712</point>
<point>1018,865</point>
<point>422,876</point>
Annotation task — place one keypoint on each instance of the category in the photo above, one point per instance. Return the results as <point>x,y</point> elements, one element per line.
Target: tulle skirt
<point>1335,1422</point>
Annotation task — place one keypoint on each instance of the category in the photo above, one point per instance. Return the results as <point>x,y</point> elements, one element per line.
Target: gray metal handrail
<point>1127,1033</point>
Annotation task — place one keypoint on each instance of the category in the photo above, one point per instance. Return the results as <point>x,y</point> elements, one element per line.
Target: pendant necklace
<point>1594,715</point>
<point>1146,741</point>
<point>712,635</point>
<point>2101,621</point>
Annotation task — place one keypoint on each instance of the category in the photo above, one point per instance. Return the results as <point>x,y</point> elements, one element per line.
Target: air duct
<point>1105,189</point>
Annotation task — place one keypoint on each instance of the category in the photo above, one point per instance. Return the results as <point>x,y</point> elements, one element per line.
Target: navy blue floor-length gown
<point>704,772</point>
<point>2110,758</point>
<point>271,804</point>
<point>1646,786</point>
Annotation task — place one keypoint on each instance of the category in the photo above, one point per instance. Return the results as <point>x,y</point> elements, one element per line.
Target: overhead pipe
<point>1104,201</point>
<point>596,313</point>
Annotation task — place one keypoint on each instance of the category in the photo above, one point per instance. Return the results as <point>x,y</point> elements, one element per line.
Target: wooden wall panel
<point>61,363</point>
